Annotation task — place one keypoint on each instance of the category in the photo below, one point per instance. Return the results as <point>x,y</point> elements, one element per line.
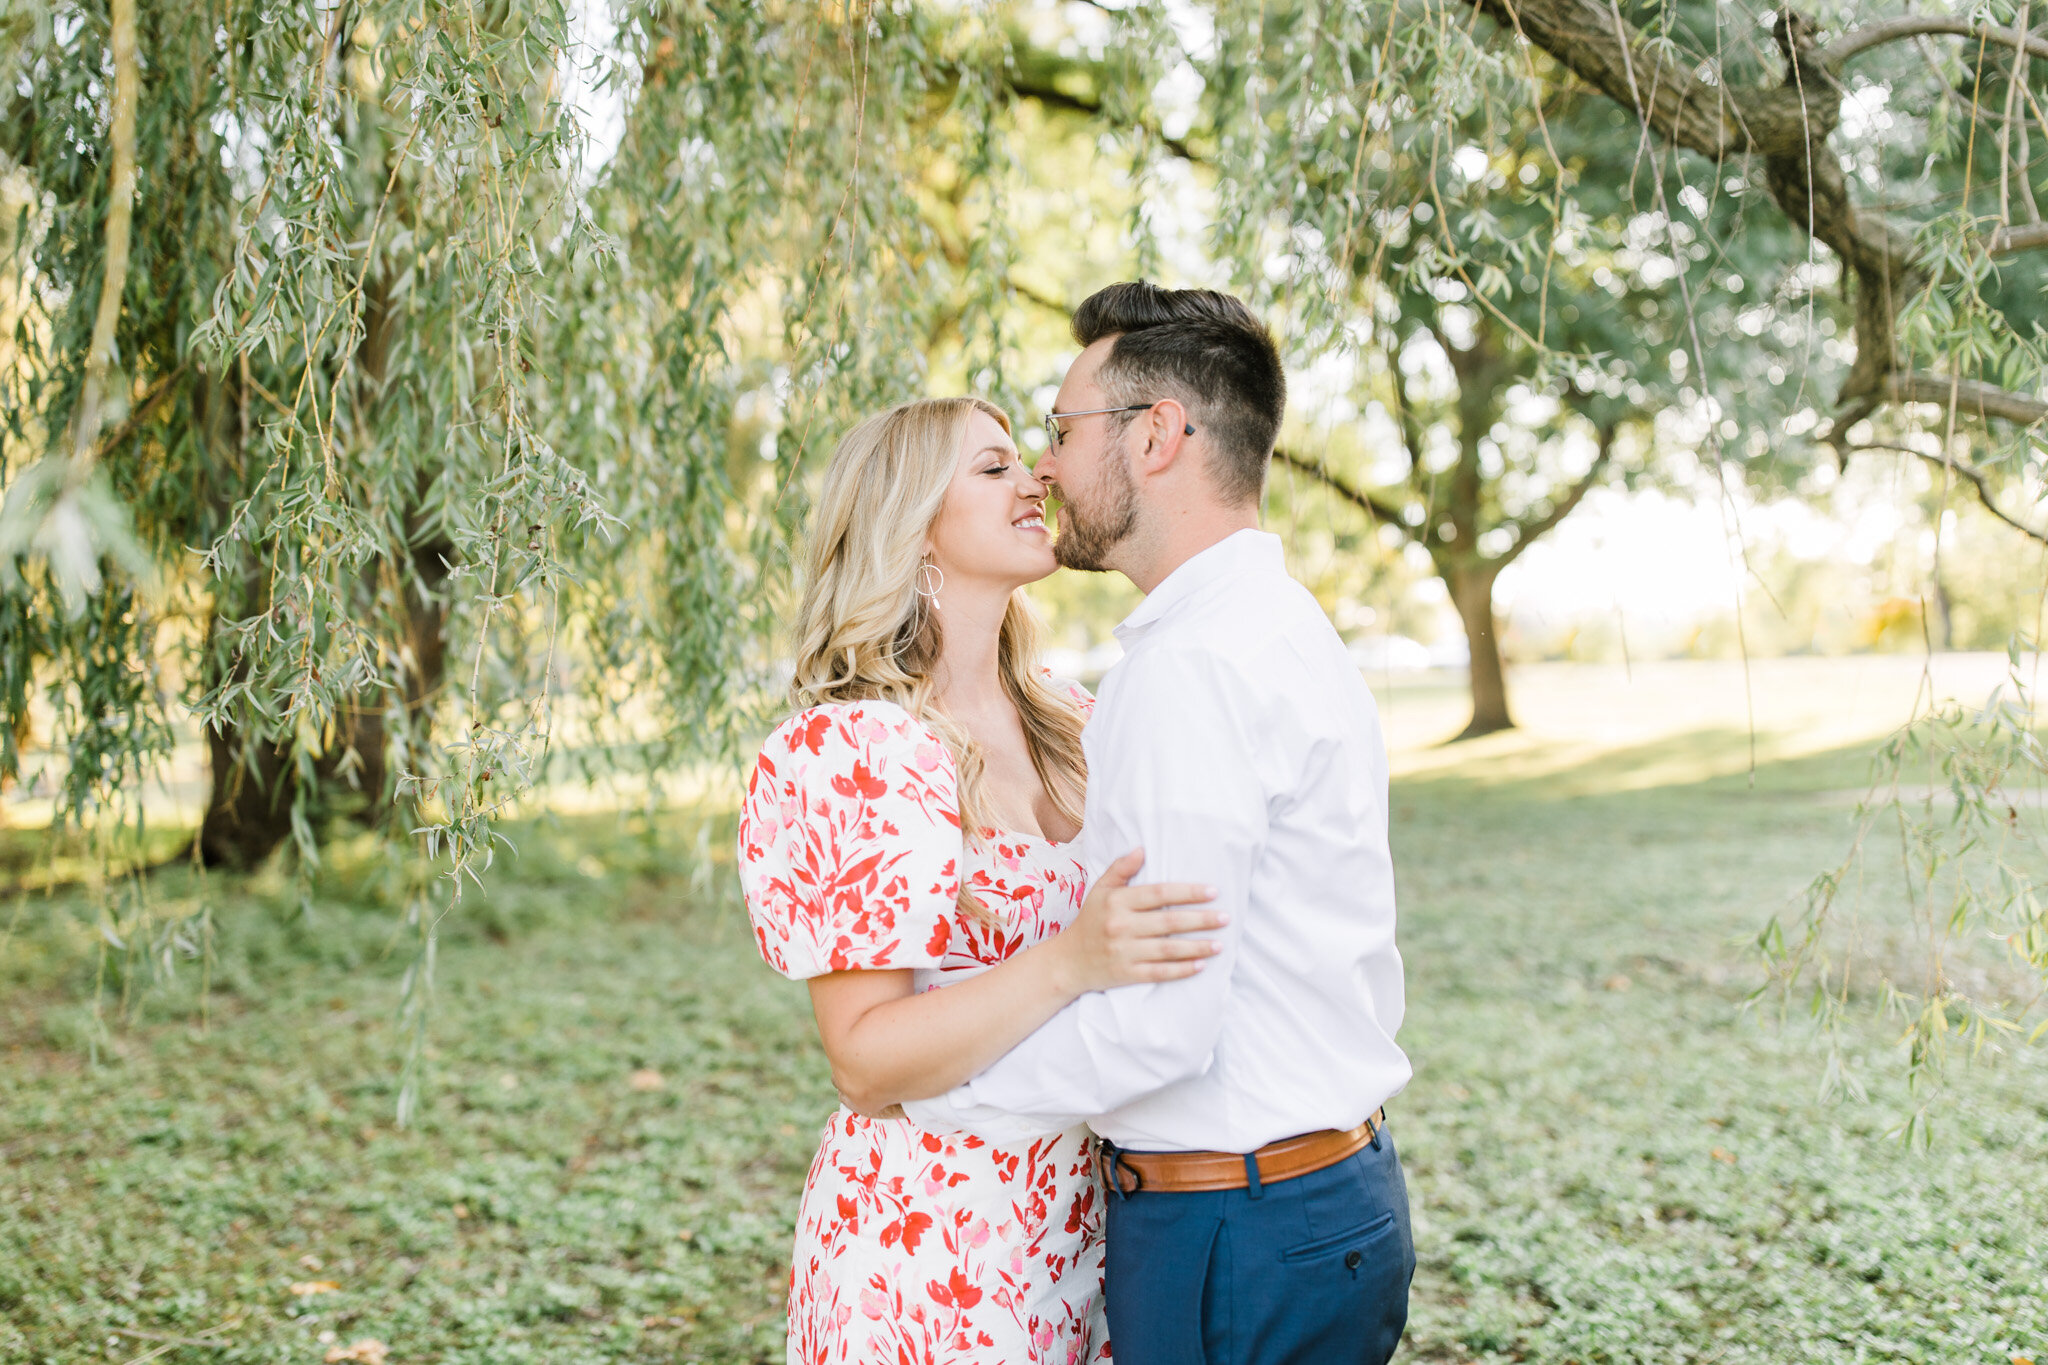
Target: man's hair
<point>1208,351</point>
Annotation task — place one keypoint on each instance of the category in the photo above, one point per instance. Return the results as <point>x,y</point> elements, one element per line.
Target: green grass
<point>1609,1160</point>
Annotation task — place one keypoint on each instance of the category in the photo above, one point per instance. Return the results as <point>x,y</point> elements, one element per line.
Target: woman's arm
<point>889,1043</point>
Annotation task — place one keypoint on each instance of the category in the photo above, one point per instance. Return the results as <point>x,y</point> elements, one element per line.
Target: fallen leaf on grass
<point>365,1351</point>
<point>2022,1360</point>
<point>1721,1154</point>
<point>646,1078</point>
<point>666,1320</point>
<point>306,1289</point>
<point>309,1262</point>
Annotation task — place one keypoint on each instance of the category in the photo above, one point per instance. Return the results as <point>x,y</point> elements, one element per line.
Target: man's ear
<point>1166,433</point>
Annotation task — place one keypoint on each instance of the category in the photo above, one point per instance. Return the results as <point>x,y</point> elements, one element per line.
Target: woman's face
<point>991,528</point>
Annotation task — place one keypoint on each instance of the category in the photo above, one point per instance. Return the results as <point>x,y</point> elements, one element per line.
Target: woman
<point>908,829</point>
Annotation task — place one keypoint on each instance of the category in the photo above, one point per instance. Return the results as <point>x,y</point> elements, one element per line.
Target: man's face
<point>1098,499</point>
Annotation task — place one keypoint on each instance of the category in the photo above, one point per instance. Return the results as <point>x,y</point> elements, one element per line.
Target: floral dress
<point>917,1247</point>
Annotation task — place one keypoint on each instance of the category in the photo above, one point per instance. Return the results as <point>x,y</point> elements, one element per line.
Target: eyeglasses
<point>1058,437</point>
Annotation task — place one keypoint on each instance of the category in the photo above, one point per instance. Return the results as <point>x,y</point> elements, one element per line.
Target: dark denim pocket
<point>1350,1237</point>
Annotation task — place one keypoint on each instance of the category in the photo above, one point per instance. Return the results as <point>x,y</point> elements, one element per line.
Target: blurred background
<point>408,415</point>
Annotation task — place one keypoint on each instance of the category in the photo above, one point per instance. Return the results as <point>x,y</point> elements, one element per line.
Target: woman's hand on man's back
<point>1124,935</point>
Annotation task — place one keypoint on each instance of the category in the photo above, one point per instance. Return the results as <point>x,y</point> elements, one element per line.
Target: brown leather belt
<point>1188,1172</point>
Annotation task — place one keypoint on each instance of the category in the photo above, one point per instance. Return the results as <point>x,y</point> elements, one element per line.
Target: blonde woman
<point>909,829</point>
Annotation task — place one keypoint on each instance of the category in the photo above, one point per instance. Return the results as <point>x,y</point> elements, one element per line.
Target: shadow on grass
<point>78,963</point>
<point>1521,766</point>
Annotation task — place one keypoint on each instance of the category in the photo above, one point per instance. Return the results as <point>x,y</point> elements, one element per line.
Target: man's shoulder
<point>1253,617</point>
<point>1258,632</point>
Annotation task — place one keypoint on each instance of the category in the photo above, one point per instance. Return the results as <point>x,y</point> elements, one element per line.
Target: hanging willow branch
<point>473,462</point>
<point>58,511</point>
<point>99,357</point>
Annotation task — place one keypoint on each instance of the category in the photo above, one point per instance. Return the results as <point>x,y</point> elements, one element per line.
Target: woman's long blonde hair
<point>864,634</point>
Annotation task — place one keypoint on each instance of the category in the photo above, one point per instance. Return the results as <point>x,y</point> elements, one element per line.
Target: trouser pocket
<point>1341,1244</point>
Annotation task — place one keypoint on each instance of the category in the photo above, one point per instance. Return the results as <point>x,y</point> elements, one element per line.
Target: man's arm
<point>1176,775</point>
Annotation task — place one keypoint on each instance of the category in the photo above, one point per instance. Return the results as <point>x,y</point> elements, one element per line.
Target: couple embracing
<point>1108,984</point>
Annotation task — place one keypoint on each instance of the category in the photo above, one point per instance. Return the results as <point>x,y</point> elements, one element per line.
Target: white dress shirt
<point>1237,745</point>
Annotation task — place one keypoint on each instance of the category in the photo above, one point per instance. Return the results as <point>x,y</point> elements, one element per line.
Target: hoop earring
<point>930,578</point>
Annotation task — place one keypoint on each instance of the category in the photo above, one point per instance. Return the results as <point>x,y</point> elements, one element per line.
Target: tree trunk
<point>424,659</point>
<point>249,811</point>
<point>1472,594</point>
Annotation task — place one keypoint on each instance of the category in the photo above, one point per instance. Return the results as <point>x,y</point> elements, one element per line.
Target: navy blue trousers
<point>1309,1271</point>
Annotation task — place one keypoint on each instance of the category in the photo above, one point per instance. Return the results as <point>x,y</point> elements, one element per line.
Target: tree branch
<point>1971,397</point>
<point>2010,239</point>
<point>1528,531</point>
<point>1043,300</point>
<point>138,414</point>
<point>1380,511</point>
<point>1404,415</point>
<point>1910,25</point>
<point>1970,472</point>
<point>1648,78</point>
<point>1050,95</point>
<point>1787,125</point>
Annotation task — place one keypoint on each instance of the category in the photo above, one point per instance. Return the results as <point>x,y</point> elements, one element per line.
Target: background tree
<point>1492,223</point>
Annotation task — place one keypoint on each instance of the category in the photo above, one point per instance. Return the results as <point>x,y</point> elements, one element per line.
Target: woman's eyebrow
<point>1007,452</point>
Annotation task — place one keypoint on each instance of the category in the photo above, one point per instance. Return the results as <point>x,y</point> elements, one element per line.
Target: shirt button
<point>1353,1259</point>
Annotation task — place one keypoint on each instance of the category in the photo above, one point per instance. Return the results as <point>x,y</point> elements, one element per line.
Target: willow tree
<point>354,414</point>
<point>1512,302</point>
<point>1656,227</point>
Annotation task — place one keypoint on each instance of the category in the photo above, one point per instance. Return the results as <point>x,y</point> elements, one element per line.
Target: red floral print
<point>915,1247</point>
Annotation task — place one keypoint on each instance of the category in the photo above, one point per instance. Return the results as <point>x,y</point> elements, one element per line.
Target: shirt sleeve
<point>1175,768</point>
<point>849,843</point>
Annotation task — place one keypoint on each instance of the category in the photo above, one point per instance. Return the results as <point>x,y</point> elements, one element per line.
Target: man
<point>1258,1213</point>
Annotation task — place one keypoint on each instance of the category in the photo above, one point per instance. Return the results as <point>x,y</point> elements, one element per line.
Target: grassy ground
<point>1608,1160</point>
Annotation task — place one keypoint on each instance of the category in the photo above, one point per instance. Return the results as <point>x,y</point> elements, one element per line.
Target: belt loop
<point>1373,1125</point>
<point>1110,1161</point>
<point>1251,1176</point>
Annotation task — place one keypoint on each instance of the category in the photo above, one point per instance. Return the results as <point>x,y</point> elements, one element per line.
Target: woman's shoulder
<point>1068,688</point>
<point>849,842</point>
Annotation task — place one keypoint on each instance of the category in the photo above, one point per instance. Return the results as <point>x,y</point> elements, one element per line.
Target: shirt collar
<point>1235,555</point>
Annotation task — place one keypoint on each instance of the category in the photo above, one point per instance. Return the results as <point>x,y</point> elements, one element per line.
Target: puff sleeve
<point>849,843</point>
<point>1083,700</point>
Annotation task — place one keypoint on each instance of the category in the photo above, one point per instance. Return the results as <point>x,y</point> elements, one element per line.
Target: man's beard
<point>1086,538</point>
